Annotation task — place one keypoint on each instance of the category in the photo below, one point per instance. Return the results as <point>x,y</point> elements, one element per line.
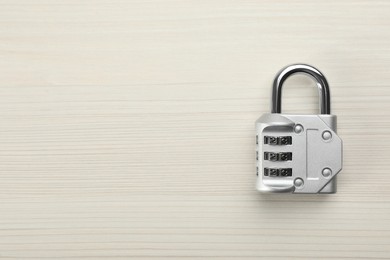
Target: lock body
<point>297,153</point>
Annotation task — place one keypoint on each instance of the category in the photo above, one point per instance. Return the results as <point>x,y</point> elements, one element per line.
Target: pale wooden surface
<point>127,128</point>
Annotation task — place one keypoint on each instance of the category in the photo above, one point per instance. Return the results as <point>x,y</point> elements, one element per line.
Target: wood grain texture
<point>127,128</point>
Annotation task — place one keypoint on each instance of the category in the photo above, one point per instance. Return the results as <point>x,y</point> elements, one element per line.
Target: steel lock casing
<point>298,153</point>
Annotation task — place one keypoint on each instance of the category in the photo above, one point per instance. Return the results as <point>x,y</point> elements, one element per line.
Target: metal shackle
<point>322,84</point>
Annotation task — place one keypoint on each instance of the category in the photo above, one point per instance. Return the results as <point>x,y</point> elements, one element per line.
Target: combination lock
<point>298,153</point>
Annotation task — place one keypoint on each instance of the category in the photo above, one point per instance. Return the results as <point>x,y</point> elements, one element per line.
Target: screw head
<point>298,129</point>
<point>298,183</point>
<point>326,172</point>
<point>326,135</point>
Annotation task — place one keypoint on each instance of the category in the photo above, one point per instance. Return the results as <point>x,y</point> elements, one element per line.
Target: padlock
<point>298,153</point>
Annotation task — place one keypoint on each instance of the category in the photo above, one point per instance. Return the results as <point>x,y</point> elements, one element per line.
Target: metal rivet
<point>298,129</point>
<point>298,183</point>
<point>326,172</point>
<point>326,135</point>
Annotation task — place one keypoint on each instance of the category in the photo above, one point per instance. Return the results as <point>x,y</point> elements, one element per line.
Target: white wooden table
<point>127,128</point>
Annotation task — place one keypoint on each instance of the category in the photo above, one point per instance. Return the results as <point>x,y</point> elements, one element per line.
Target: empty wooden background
<point>127,128</point>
